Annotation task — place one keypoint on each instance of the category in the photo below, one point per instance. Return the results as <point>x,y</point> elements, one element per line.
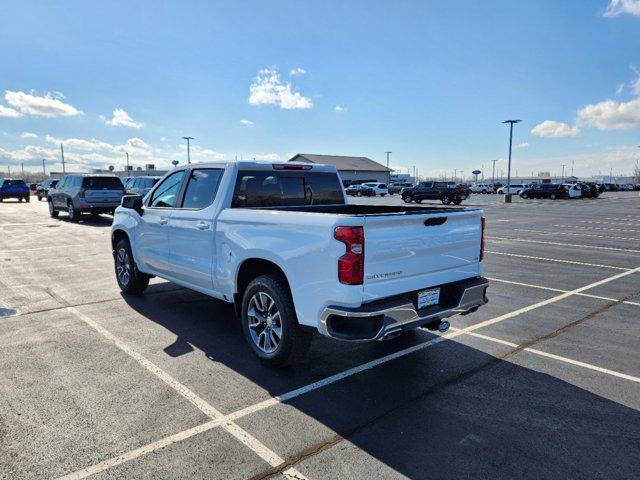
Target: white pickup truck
<point>281,243</point>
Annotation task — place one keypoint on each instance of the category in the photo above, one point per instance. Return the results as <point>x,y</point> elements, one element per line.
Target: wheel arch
<point>249,269</point>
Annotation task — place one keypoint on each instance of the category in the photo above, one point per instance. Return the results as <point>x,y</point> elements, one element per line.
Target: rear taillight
<point>457,189</point>
<point>482,240</point>
<point>351,264</point>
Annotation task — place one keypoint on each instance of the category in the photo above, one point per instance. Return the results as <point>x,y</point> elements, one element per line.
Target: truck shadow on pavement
<point>448,411</point>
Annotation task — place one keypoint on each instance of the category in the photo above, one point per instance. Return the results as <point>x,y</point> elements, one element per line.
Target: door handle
<point>163,221</point>
<point>202,226</point>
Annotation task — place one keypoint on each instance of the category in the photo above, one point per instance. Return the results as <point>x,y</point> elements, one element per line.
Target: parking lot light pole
<point>44,172</point>
<point>188,139</point>
<point>507,196</point>
<point>563,165</point>
<point>388,172</point>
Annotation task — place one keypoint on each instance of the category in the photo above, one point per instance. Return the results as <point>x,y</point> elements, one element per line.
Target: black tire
<point>445,199</point>
<point>39,198</point>
<point>20,199</point>
<point>552,196</point>
<point>27,199</point>
<point>359,194</point>
<point>52,211</point>
<point>457,201</point>
<point>524,195</point>
<point>407,199</point>
<point>293,343</point>
<point>130,280</point>
<point>484,192</point>
<point>382,194</point>
<point>73,215</point>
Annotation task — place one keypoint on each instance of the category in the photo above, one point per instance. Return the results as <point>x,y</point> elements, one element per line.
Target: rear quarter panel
<point>301,244</point>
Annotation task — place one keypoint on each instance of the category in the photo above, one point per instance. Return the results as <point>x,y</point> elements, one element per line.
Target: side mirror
<point>133,202</point>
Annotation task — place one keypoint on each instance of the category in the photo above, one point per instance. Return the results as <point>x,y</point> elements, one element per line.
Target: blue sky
<point>429,80</point>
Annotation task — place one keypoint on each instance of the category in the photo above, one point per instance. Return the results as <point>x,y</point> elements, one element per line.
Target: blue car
<point>10,188</point>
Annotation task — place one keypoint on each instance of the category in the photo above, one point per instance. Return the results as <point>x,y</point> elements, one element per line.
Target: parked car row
<point>369,189</point>
<point>554,191</point>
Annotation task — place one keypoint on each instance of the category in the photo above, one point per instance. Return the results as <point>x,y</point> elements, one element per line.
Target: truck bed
<point>367,210</point>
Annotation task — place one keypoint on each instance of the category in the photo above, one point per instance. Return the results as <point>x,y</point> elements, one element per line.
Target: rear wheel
<point>457,201</point>
<point>39,197</point>
<point>27,199</point>
<point>270,324</point>
<point>553,196</point>
<point>445,199</point>
<point>359,194</point>
<point>19,199</point>
<point>524,195</point>
<point>130,280</point>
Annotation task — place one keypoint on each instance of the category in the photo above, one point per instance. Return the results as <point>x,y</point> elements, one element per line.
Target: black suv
<point>442,191</point>
<point>43,189</point>
<point>546,190</point>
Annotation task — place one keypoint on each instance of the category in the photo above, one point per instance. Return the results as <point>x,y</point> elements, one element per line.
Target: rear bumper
<point>379,319</point>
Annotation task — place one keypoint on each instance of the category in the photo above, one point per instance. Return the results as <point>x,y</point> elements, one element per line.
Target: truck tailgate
<point>404,253</point>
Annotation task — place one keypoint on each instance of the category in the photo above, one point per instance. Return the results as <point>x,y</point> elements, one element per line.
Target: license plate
<point>428,297</point>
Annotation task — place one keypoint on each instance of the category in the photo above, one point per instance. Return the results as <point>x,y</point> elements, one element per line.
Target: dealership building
<point>352,169</point>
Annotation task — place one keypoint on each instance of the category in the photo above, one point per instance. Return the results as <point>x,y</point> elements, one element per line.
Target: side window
<point>165,195</point>
<point>62,182</point>
<point>201,189</point>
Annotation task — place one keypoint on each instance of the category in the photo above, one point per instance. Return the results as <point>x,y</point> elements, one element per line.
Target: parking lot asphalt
<point>542,382</point>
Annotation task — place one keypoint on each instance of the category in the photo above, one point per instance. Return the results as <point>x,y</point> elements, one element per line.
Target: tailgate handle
<point>429,222</point>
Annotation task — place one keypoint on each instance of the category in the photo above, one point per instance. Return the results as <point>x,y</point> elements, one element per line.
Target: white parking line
<point>28,224</point>
<point>45,248</point>
<point>228,419</point>
<point>558,260</point>
<point>577,234</point>
<point>562,244</point>
<point>243,436</point>
<point>597,297</point>
<point>605,229</point>
<point>560,358</point>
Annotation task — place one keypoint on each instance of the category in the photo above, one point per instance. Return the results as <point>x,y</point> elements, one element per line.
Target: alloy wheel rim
<point>71,212</point>
<point>265,322</point>
<point>123,267</point>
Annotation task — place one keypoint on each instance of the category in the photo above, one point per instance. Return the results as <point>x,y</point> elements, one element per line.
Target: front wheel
<point>457,201</point>
<point>71,212</point>
<point>52,211</point>
<point>406,199</point>
<point>39,198</point>
<point>553,196</point>
<point>27,199</point>
<point>445,199</point>
<point>130,280</point>
<point>524,195</point>
<point>359,194</point>
<point>269,322</point>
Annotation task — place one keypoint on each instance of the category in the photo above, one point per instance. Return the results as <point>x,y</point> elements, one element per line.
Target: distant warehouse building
<point>352,169</point>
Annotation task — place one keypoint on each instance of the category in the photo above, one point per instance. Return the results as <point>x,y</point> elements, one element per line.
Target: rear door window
<point>202,187</point>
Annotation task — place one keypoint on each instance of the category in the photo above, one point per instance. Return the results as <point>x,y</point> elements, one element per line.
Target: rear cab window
<point>267,188</point>
<point>101,183</point>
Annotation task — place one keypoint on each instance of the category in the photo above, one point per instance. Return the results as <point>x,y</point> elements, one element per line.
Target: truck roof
<point>262,165</point>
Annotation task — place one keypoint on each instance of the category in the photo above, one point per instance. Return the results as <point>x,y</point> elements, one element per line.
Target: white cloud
<point>297,72</point>
<point>269,157</point>
<point>611,115</point>
<point>247,123</point>
<point>163,139</point>
<point>122,119</point>
<point>267,89</point>
<point>523,145</point>
<point>28,135</point>
<point>80,144</point>
<point>48,105</point>
<point>553,129</point>
<point>340,109</point>
<point>135,147</point>
<point>9,112</point>
<point>618,7</point>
